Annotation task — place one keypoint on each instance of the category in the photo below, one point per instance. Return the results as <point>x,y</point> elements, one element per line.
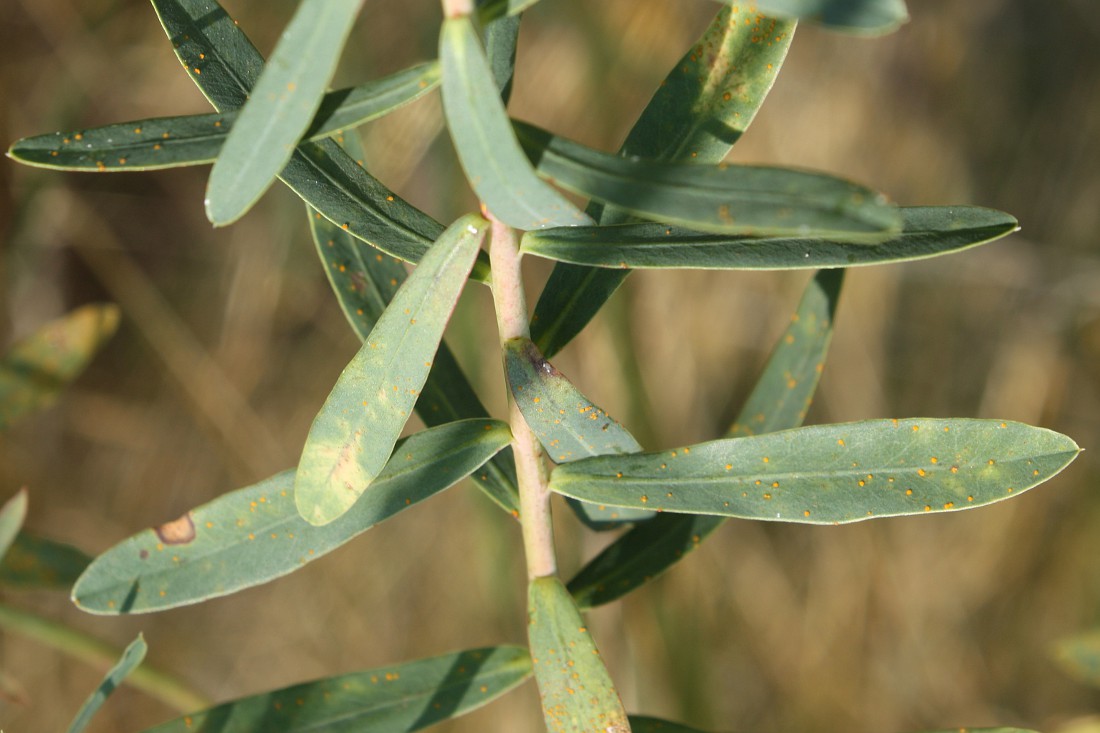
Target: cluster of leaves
<point>665,201</point>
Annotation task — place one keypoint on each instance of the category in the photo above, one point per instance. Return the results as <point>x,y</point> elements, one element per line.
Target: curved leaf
<point>1079,656</point>
<point>170,142</point>
<point>35,562</point>
<point>131,658</point>
<point>870,17</point>
<point>688,118</point>
<point>253,535</point>
<point>567,424</point>
<point>777,402</point>
<point>396,699</point>
<point>364,282</point>
<point>576,691</point>
<point>830,474</point>
<point>927,231</point>
<point>722,199</point>
<point>277,114</point>
<point>495,165</point>
<point>354,433</point>
<point>35,370</point>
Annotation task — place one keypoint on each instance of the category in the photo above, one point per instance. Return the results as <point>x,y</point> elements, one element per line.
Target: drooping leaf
<point>1079,657</point>
<point>35,370</point>
<point>777,402</point>
<point>12,515</point>
<point>870,17</point>
<point>131,658</point>
<point>396,699</point>
<point>35,562</point>
<point>576,691</point>
<point>170,142</point>
<point>722,199</point>
<point>328,179</point>
<point>495,165</point>
<point>644,724</point>
<point>253,535</point>
<point>830,474</point>
<point>354,433</point>
<point>283,102</point>
<point>689,117</point>
<point>927,231</point>
<point>568,425</point>
<point>364,281</point>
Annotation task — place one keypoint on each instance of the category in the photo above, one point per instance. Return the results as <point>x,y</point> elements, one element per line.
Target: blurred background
<point>887,626</point>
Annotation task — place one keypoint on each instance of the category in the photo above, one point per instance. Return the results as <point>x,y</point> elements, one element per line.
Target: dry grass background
<point>231,339</point>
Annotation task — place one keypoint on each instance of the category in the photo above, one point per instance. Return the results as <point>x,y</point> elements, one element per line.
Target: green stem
<point>95,652</point>
<point>512,322</point>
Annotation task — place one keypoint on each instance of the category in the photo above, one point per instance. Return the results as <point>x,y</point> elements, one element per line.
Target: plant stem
<point>88,649</point>
<point>534,496</point>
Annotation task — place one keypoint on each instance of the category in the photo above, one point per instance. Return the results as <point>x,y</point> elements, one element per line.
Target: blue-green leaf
<point>131,658</point>
<point>170,142</point>
<point>777,402</point>
<point>254,535</point>
<point>396,699</point>
<point>35,562</point>
<point>830,474</point>
<point>354,433</point>
<point>494,163</point>
<point>927,231</point>
<point>870,17</point>
<point>576,690</point>
<point>277,115</point>
<point>568,425</point>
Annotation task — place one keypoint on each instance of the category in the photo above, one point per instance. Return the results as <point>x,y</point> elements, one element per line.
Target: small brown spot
<point>177,532</point>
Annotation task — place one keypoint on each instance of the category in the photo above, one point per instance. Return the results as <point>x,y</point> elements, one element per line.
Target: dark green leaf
<point>170,142</point>
<point>778,402</point>
<point>501,38</point>
<point>364,281</point>
<point>396,699</point>
<point>738,56</point>
<point>854,16</point>
<point>280,108</point>
<point>576,691</point>
<point>35,562</point>
<point>722,199</point>
<point>255,534</point>
<point>131,658</point>
<point>495,165</point>
<point>12,515</point>
<point>490,10</point>
<point>35,370</point>
<point>1079,656</point>
<point>928,231</point>
<point>642,724</point>
<point>568,425</point>
<point>354,433</point>
<point>830,474</point>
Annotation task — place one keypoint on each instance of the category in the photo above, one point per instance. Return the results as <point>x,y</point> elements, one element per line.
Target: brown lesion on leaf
<point>177,532</point>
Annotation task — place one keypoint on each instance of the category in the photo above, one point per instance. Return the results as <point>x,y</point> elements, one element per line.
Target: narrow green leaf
<point>35,562</point>
<point>927,231</point>
<point>491,10</point>
<point>12,515</point>
<point>689,118</point>
<point>830,474</point>
<point>396,699</point>
<point>568,425</point>
<point>171,142</point>
<point>277,114</point>
<point>495,165</point>
<point>364,282</point>
<point>254,535</point>
<point>35,370</point>
<point>576,691</point>
<point>870,17</point>
<point>643,724</point>
<point>354,433</point>
<point>501,39</point>
<point>778,402</point>
<point>131,658</point>
<point>1079,657</point>
<point>722,199</point>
